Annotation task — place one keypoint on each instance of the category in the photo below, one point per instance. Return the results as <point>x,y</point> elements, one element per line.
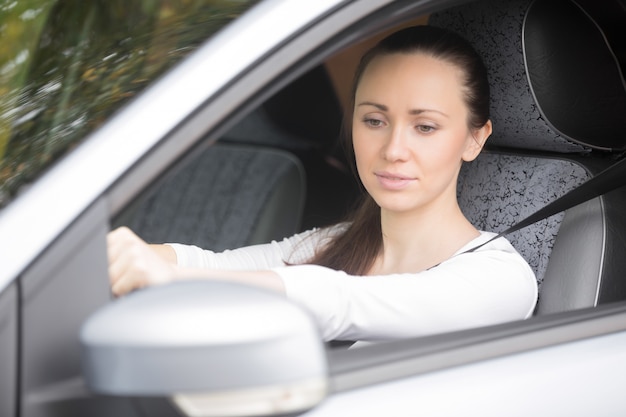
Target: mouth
<point>393,181</point>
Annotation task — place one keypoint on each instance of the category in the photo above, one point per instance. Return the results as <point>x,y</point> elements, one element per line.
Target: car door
<point>54,267</point>
<point>8,350</point>
<point>54,228</point>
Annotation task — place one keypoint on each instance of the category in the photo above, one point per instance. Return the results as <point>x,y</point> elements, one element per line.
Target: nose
<point>396,147</point>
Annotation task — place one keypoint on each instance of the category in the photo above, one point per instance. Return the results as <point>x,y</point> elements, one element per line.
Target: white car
<point>216,123</point>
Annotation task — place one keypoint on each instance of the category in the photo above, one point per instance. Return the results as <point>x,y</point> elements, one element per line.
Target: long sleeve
<point>489,286</point>
<point>296,249</point>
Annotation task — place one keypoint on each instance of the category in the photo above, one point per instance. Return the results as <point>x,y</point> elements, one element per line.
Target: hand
<point>134,264</point>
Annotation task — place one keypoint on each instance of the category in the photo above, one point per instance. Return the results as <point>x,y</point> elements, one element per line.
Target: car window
<point>66,66</point>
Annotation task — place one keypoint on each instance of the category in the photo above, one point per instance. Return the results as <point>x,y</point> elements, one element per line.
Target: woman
<point>402,266</point>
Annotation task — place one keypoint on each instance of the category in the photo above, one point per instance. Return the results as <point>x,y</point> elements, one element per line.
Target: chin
<point>397,206</point>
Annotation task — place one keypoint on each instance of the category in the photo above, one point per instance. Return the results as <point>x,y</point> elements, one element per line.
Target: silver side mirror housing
<point>214,348</point>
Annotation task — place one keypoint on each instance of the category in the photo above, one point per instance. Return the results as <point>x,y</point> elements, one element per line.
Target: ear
<point>477,141</point>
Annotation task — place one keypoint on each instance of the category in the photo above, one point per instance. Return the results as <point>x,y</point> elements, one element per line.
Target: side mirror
<point>215,348</point>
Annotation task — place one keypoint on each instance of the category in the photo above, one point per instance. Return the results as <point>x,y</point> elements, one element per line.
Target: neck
<point>413,242</point>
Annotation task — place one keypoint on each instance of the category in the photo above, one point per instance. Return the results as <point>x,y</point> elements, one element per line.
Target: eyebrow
<point>382,107</point>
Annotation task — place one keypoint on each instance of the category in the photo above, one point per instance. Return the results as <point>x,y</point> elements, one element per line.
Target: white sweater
<point>491,285</point>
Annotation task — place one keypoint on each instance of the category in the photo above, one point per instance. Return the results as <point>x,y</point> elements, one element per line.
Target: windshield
<point>66,66</point>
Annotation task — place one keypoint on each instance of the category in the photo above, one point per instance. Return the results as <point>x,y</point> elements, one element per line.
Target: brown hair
<point>355,250</point>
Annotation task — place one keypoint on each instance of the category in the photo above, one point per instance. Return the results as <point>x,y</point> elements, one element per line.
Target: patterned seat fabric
<point>529,162</point>
<point>499,190</point>
<point>228,196</point>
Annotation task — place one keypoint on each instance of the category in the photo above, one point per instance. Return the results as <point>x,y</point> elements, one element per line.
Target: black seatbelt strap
<point>608,180</point>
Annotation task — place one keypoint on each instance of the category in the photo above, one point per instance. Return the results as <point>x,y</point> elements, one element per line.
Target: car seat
<point>558,109</point>
<point>305,118</point>
<point>274,173</point>
<point>228,196</point>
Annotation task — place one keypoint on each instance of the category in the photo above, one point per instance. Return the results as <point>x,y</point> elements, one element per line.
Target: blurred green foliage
<point>67,65</point>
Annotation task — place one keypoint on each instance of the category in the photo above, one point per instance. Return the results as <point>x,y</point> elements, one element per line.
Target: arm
<point>486,287</point>
<point>295,249</point>
<point>134,264</point>
<point>165,252</point>
<point>489,286</point>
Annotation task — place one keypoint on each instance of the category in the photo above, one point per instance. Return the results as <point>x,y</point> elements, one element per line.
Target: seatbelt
<point>608,180</point>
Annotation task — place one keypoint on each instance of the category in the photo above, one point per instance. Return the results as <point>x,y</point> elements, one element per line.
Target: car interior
<point>282,170</point>
<point>542,127</point>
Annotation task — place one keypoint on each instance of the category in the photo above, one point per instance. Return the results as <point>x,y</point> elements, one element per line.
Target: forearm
<point>165,252</point>
<point>263,279</point>
<point>134,264</point>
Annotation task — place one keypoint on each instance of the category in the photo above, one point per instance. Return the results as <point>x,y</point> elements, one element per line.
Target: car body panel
<point>74,271</point>
<point>8,350</point>
<point>576,379</point>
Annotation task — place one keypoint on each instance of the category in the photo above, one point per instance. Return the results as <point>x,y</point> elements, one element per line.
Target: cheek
<point>364,153</point>
<point>361,145</point>
<point>445,154</point>
<point>361,155</point>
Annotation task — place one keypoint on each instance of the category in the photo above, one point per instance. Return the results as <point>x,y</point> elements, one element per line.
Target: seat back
<point>229,196</point>
<point>541,146</point>
<point>305,118</point>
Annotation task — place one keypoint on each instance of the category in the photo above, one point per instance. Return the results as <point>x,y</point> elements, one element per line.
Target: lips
<point>393,181</point>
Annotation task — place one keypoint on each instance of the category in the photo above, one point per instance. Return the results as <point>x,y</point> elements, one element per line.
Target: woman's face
<point>410,131</point>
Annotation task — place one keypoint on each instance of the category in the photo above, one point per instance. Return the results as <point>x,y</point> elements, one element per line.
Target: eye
<point>372,122</point>
<point>425,128</point>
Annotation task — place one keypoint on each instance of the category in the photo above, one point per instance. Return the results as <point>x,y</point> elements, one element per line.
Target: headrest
<point>298,108</point>
<point>571,69</point>
<point>290,118</point>
<point>574,74</point>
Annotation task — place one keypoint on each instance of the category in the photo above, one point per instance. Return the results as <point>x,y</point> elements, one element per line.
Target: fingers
<point>133,264</point>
